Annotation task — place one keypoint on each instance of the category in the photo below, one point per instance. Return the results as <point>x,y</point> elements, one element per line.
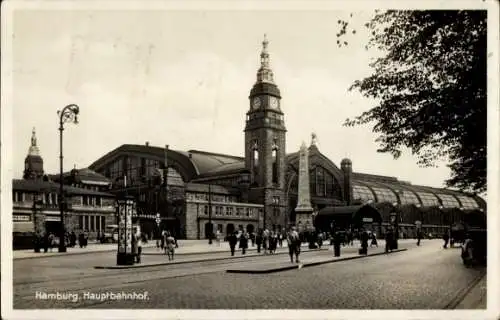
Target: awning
<point>353,214</point>
<point>23,227</point>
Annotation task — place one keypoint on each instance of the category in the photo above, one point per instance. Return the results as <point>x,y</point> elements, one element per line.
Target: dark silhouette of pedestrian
<point>389,238</point>
<point>232,239</point>
<point>258,240</point>
<point>446,238</point>
<point>293,239</point>
<point>243,242</point>
<point>374,240</point>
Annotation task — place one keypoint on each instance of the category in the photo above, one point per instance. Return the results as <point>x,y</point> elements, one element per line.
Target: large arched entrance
<point>209,229</point>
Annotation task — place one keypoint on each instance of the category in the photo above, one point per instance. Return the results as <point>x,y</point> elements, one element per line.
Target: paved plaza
<point>202,281</point>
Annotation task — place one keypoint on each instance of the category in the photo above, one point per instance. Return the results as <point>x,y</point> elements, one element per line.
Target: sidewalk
<point>186,247</point>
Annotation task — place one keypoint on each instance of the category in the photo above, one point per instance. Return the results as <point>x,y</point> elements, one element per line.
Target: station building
<point>89,207</point>
<point>193,192</point>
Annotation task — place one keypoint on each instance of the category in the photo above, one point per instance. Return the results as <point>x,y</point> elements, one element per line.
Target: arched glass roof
<point>428,199</point>
<point>362,193</point>
<point>385,195</point>
<point>468,202</point>
<point>408,197</point>
<point>448,200</point>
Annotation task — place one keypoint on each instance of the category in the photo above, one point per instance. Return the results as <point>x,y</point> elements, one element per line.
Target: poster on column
<point>128,228</point>
<point>122,241</point>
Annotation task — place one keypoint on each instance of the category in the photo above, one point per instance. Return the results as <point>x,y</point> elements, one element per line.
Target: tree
<point>430,89</point>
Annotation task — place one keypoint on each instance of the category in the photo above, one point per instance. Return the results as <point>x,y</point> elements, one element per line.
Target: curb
<point>63,254</point>
<point>135,266</point>
<point>311,264</point>
<point>464,292</point>
<point>212,252</point>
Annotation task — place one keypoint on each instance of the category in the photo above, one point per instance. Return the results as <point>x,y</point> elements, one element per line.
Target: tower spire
<point>265,74</point>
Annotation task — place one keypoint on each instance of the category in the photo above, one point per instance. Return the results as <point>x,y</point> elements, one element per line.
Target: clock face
<point>256,103</point>
<point>273,102</point>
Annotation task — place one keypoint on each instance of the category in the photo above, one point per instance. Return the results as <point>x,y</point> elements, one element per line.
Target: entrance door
<point>209,229</point>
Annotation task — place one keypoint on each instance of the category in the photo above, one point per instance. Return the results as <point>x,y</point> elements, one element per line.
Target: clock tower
<point>265,138</point>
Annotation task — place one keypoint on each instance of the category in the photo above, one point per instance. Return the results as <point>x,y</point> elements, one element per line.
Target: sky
<point>182,78</point>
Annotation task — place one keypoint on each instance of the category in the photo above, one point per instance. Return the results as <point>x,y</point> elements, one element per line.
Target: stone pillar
<point>346,166</point>
<point>304,209</point>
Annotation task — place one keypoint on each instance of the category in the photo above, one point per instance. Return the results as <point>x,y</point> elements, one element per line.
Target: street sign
<point>367,219</point>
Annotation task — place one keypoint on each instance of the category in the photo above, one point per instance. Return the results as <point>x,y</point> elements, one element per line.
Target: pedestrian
<point>45,242</point>
<point>293,240</point>
<point>243,242</point>
<point>419,237</point>
<point>232,239</point>
<point>388,240</point>
<point>258,240</point>
<point>446,238</point>
<point>364,242</point>
<point>139,240</point>
<point>265,240</point>
<point>374,240</point>
<point>170,246</point>
<point>81,239</point>
<point>217,237</point>
<point>52,241</point>
<point>320,240</point>
<point>72,239</point>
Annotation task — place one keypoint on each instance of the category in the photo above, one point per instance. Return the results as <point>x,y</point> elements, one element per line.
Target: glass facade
<point>408,197</point>
<point>428,199</point>
<point>362,193</point>
<point>385,195</point>
<point>448,201</point>
<point>468,202</point>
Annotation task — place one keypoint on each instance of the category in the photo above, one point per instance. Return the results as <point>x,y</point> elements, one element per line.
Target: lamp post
<point>67,114</point>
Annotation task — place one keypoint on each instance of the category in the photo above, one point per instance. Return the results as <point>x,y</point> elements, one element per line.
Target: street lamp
<point>68,113</point>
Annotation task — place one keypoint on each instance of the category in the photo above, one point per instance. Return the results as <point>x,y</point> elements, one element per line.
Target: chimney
<point>190,155</point>
<point>147,143</point>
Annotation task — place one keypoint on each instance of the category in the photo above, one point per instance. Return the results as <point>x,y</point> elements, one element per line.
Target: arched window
<point>275,164</point>
<point>255,161</point>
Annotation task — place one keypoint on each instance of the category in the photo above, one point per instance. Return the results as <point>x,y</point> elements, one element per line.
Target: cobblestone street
<point>385,282</point>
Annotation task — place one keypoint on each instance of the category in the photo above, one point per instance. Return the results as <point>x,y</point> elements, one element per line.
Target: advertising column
<point>125,255</point>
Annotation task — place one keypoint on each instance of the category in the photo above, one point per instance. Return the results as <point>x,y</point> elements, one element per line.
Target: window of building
<point>205,209</point>
<point>320,182</point>
<point>103,222</point>
<point>81,223</point>
<point>276,212</point>
<point>92,223</point>
<point>86,223</point>
<point>229,211</point>
<point>248,212</point>
<point>238,211</point>
<point>98,223</point>
<point>275,165</point>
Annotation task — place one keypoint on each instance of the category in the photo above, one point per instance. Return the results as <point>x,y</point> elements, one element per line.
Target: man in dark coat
<point>243,242</point>
<point>232,239</point>
<point>258,240</point>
